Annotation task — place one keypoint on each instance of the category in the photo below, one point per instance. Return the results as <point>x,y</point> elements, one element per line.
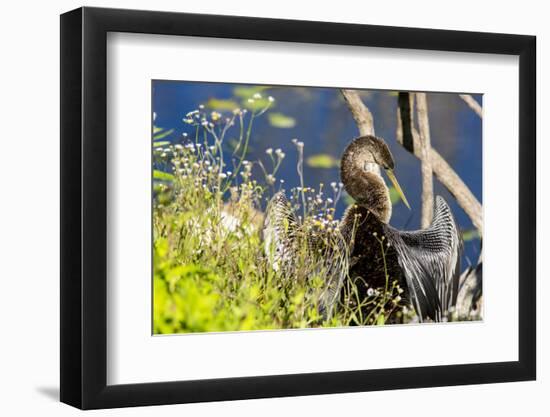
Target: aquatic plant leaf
<point>248,92</point>
<point>255,104</point>
<point>163,134</point>
<point>322,160</point>
<point>468,235</point>
<point>162,176</point>
<point>222,104</point>
<point>395,198</point>
<point>157,129</point>
<point>281,121</point>
<point>394,195</point>
<point>160,143</point>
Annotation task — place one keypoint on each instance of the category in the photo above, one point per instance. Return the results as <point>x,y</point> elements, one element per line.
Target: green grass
<point>211,272</point>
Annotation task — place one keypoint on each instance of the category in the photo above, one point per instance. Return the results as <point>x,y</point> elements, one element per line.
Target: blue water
<point>325,125</point>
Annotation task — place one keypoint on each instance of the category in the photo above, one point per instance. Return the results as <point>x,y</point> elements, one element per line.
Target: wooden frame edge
<point>83,209</point>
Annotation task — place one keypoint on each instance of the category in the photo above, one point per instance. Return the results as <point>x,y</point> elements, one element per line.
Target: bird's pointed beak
<point>393,180</point>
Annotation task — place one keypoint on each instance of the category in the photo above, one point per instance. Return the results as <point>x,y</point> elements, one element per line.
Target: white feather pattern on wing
<point>280,245</point>
<point>430,260</point>
<point>279,231</point>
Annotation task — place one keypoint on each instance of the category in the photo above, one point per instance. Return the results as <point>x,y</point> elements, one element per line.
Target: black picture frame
<point>84,207</point>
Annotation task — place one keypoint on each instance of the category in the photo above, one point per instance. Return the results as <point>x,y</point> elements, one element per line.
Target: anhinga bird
<point>426,262</point>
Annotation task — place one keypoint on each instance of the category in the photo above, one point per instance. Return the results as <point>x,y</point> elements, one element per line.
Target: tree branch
<point>409,137</point>
<point>360,112</point>
<point>472,103</point>
<point>426,163</point>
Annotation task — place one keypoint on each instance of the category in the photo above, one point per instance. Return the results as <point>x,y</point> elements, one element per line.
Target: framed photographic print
<point>258,208</point>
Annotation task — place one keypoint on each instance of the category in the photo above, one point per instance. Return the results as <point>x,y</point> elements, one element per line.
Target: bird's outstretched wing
<point>335,265</point>
<point>329,255</point>
<point>430,260</point>
<point>279,231</point>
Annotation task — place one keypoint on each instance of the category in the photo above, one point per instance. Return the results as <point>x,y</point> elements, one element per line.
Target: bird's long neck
<point>366,186</point>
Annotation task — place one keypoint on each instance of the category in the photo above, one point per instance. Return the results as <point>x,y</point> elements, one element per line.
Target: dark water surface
<point>325,125</point>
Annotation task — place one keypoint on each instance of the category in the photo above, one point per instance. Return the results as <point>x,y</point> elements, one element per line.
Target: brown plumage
<point>366,235</point>
<point>425,263</point>
<point>359,166</point>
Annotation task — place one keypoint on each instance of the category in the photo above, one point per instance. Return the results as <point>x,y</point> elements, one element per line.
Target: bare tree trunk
<point>409,137</point>
<point>360,112</point>
<point>426,163</point>
<point>472,103</point>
